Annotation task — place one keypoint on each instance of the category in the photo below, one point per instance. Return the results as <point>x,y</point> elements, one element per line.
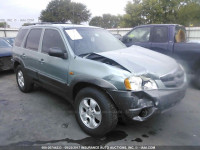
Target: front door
<point>53,70</point>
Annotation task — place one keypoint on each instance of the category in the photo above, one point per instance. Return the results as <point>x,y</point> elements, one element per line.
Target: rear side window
<point>160,34</point>
<point>20,37</point>
<point>180,34</point>
<point>33,39</point>
<point>52,39</point>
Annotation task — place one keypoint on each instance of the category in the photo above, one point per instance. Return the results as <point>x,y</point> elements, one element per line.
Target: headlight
<point>139,83</point>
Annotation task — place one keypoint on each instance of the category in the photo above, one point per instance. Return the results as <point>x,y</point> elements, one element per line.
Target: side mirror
<point>57,52</point>
<point>126,39</point>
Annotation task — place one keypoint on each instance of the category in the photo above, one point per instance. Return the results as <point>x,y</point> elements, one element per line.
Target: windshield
<point>3,43</point>
<point>92,40</point>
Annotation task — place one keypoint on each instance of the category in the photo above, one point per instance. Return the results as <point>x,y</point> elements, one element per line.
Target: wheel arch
<point>16,63</point>
<point>99,84</point>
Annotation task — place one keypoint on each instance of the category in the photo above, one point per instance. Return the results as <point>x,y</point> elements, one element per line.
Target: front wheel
<point>95,112</point>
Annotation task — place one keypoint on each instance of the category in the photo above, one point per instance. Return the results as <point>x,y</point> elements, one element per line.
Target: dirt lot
<point>42,118</point>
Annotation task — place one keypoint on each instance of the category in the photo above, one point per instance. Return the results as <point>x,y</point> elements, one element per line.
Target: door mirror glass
<point>57,52</point>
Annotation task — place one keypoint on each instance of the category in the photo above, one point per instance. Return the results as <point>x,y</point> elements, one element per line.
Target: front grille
<point>174,79</point>
<point>5,63</point>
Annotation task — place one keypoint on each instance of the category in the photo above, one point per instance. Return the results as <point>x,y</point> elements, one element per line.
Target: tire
<point>104,117</point>
<point>23,82</point>
<point>196,80</point>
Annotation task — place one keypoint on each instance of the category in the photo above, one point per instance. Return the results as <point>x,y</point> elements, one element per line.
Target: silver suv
<point>100,76</point>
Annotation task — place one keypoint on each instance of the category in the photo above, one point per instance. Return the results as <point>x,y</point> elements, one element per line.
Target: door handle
<point>41,61</point>
<point>23,55</point>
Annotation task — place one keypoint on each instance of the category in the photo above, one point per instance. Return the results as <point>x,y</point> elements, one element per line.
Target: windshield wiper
<point>86,54</point>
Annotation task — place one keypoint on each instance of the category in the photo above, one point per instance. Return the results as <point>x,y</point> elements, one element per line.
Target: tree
<point>96,21</point>
<point>189,14</point>
<point>133,16</point>
<point>27,24</point>
<point>64,11</point>
<point>106,21</point>
<point>4,25</point>
<point>79,13</point>
<point>161,11</point>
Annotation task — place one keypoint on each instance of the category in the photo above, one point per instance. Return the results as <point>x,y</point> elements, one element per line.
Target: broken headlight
<point>139,83</point>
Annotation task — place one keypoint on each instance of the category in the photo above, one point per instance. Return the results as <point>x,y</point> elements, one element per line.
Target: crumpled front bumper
<point>141,105</point>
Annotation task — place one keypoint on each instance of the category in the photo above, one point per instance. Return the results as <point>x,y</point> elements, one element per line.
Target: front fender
<point>92,80</point>
<point>82,81</point>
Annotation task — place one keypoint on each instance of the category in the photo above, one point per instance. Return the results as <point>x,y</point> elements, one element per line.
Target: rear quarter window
<point>180,34</point>
<point>20,37</point>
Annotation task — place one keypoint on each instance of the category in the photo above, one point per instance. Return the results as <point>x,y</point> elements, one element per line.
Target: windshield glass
<point>3,43</point>
<point>92,40</point>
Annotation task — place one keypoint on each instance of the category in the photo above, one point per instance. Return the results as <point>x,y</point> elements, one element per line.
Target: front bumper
<point>141,105</point>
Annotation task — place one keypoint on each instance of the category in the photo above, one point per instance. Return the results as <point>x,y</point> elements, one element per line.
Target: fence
<point>8,32</point>
<point>193,33</point>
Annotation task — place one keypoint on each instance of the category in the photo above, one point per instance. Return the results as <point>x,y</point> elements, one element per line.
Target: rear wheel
<point>95,112</point>
<point>23,82</point>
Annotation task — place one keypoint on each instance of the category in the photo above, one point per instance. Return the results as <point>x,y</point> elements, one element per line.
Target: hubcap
<point>90,113</point>
<point>20,79</point>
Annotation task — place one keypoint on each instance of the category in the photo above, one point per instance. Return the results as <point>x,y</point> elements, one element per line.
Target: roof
<point>58,25</point>
<point>161,25</point>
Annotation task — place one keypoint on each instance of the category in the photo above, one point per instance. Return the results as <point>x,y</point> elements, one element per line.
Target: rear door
<point>140,36</point>
<point>30,53</point>
<point>160,40</point>
<point>53,70</point>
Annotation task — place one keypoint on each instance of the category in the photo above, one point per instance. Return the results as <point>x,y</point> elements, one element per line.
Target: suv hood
<point>4,51</point>
<point>140,61</point>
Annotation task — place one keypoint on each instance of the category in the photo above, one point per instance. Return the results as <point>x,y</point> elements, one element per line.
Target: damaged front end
<point>141,105</point>
<point>146,90</point>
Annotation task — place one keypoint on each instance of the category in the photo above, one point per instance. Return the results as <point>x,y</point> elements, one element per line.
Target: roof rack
<point>41,23</point>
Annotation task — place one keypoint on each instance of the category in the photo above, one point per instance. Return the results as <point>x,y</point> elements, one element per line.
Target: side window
<point>140,34</point>
<point>160,34</point>
<point>33,39</point>
<point>20,37</point>
<point>52,39</point>
<point>180,35</point>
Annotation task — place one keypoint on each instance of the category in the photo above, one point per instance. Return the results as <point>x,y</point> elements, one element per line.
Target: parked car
<point>10,40</point>
<point>98,74</point>
<point>168,39</point>
<point>5,55</point>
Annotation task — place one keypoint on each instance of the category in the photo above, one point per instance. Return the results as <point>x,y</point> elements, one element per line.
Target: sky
<point>17,12</point>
